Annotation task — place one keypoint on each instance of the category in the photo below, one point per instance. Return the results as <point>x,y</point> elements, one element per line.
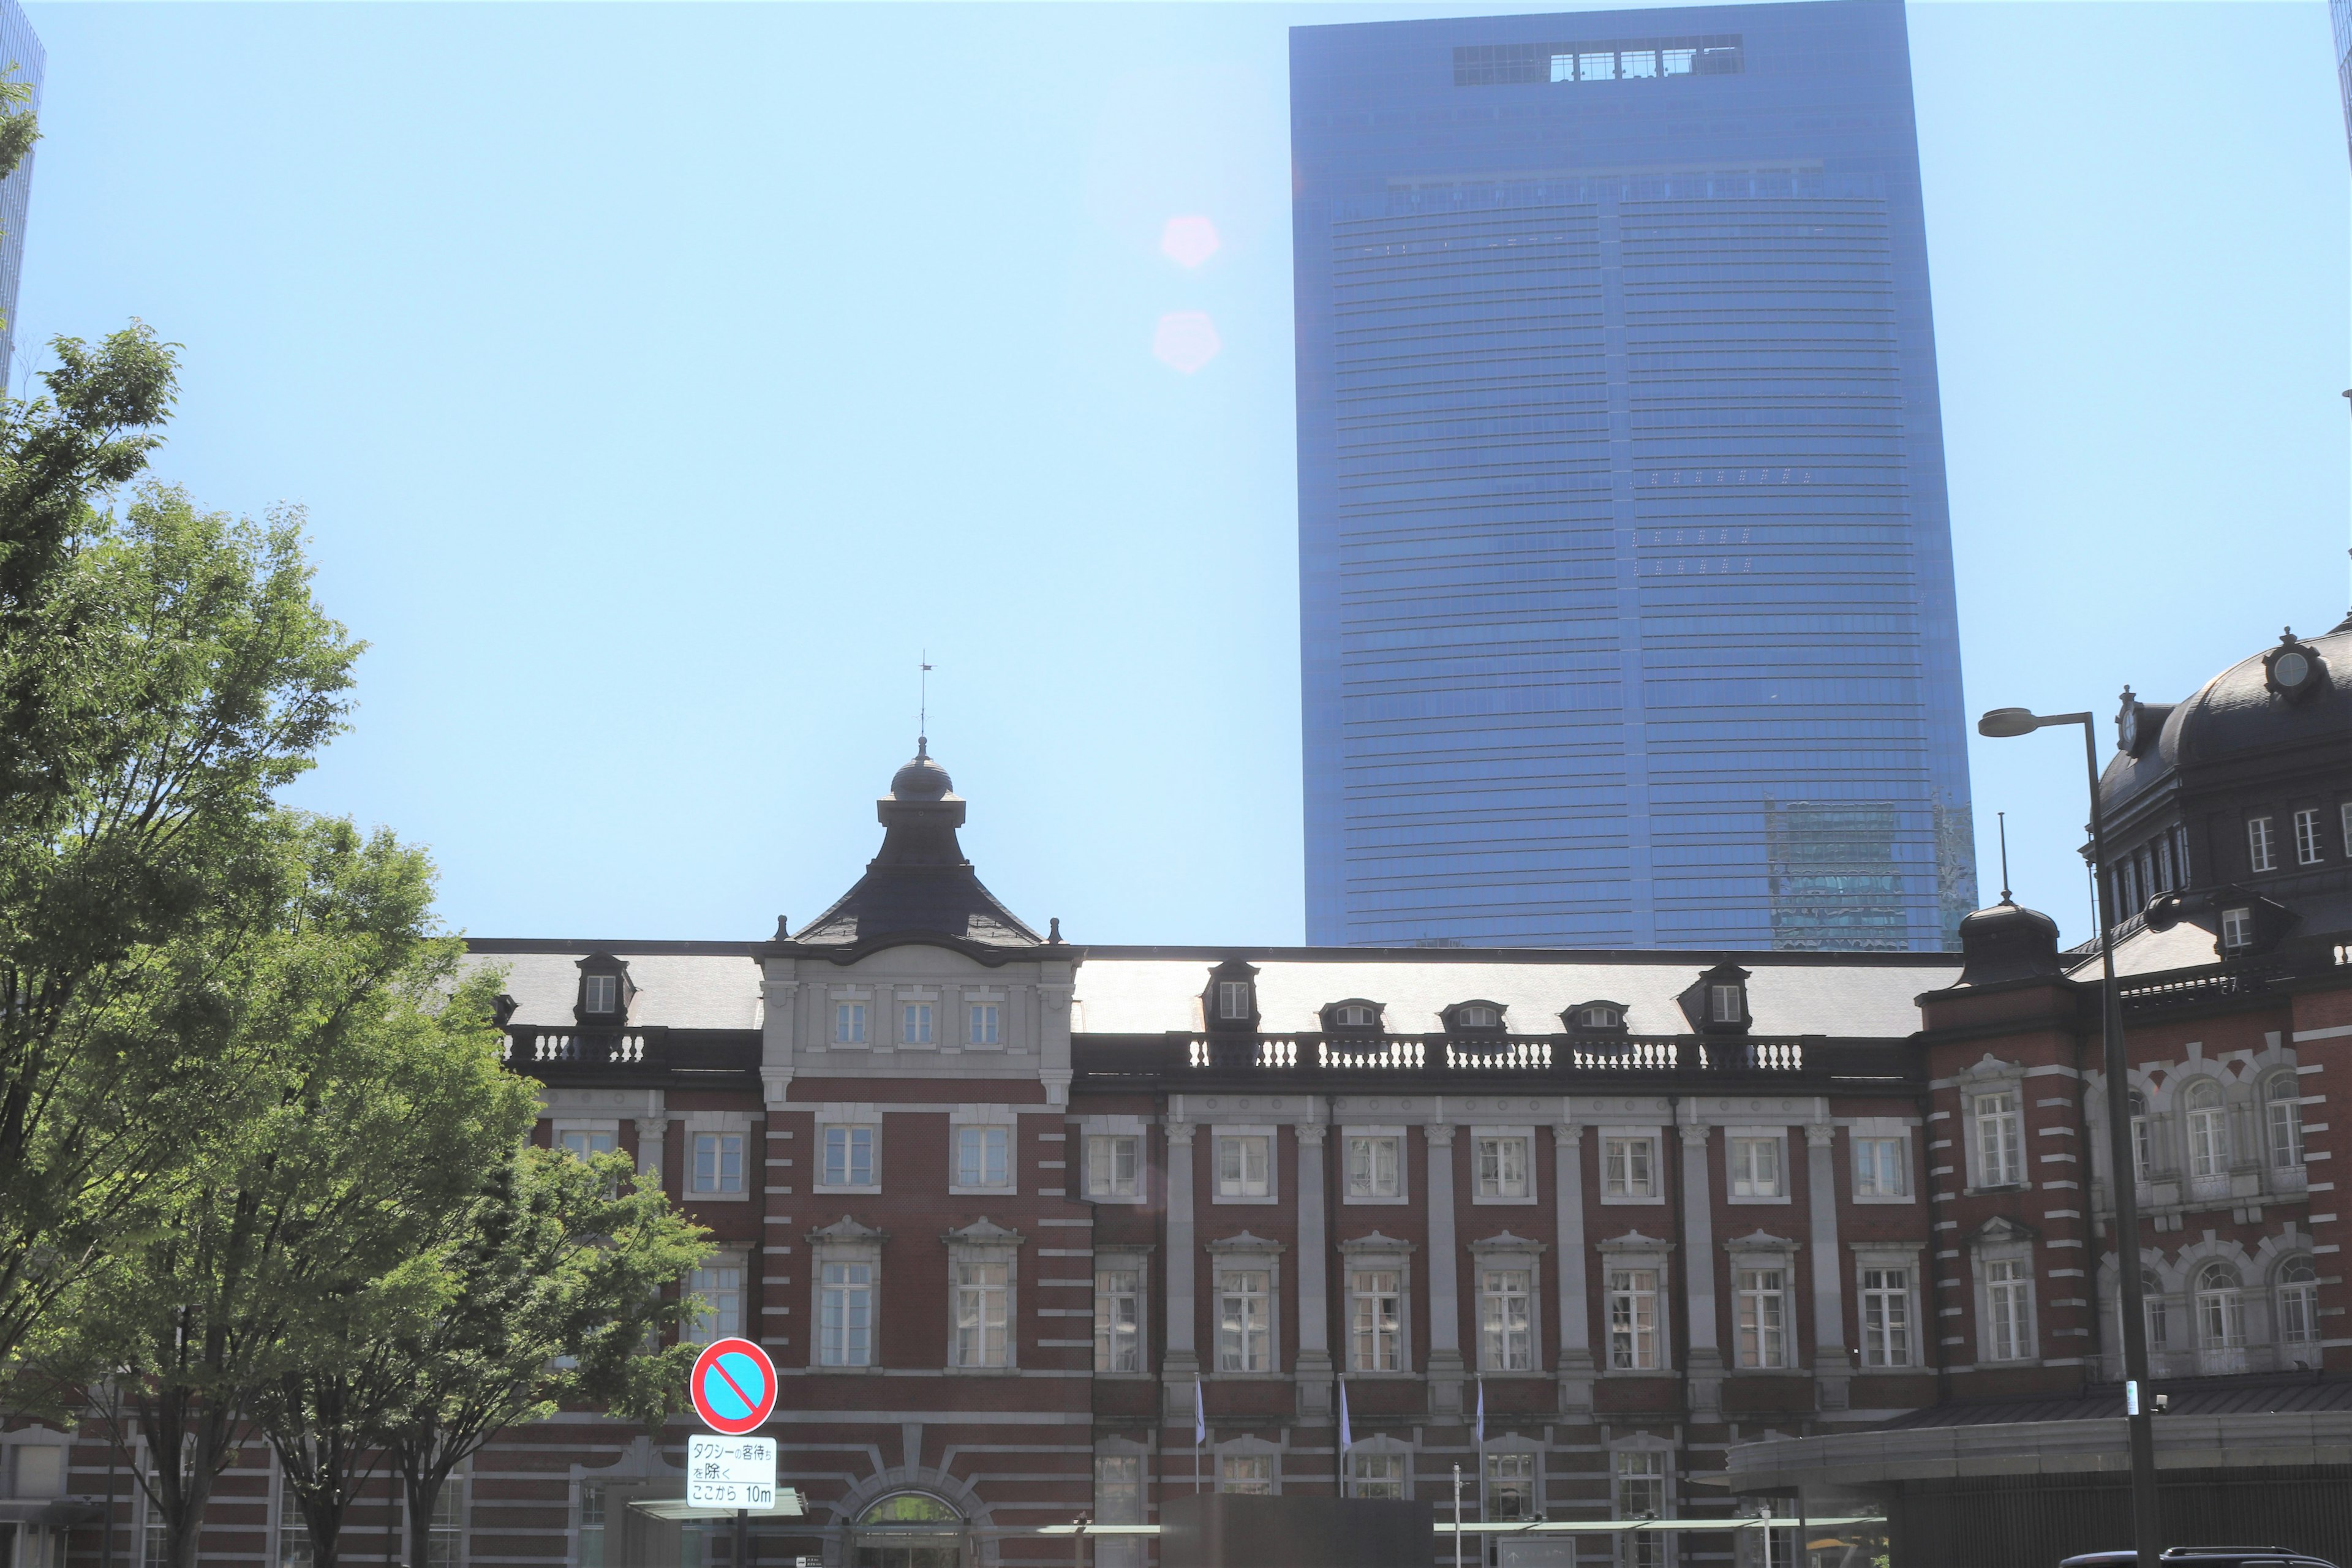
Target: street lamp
<point>2002,724</point>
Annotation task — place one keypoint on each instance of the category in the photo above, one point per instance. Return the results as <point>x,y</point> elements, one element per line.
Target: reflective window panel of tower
<point>1625,572</point>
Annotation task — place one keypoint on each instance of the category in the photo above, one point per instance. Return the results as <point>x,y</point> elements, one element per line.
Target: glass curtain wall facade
<point>1625,568</point>
<point>2339,15</point>
<point>20,47</point>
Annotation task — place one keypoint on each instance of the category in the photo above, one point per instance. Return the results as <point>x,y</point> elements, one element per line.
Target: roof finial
<point>2002,817</point>
<point>923,705</point>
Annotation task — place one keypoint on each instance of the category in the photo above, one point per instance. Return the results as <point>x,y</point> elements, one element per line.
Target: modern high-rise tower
<point>20,47</point>
<point>1625,572</point>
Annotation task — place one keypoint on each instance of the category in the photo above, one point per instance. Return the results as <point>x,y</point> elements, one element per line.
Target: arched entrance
<point>909,1529</point>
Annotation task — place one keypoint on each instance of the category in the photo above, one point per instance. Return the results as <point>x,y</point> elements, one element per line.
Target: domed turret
<point>922,778</point>
<point>2006,941</point>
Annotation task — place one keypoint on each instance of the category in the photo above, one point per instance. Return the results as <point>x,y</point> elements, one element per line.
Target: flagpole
<point>1200,1431</point>
<point>1479,1433</point>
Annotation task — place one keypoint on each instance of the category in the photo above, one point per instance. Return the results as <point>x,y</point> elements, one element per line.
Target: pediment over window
<point>846,1230</point>
<point>1375,1242</point>
<point>984,1232</point>
<point>1504,1241</point>
<point>1759,1240</point>
<point>1634,1241</point>
<point>1244,1242</point>
<point>2001,1230</point>
<point>605,990</point>
<point>1988,1067</point>
<point>1716,1002</point>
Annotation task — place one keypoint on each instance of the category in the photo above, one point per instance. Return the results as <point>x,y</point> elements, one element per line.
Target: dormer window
<point>1234,1000</point>
<point>1346,1016</point>
<point>2237,929</point>
<point>1718,1004</point>
<point>1469,1017</point>
<point>1230,1000</point>
<point>605,990</point>
<point>1595,1018</point>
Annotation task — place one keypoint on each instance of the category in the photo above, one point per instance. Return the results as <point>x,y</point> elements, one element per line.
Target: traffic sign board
<point>733,1386</point>
<point>731,1472</point>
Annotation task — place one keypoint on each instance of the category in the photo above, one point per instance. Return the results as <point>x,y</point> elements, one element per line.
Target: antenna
<point>923,705</point>
<point>2002,817</point>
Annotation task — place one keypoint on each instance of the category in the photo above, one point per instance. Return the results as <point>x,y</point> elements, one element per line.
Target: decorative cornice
<point>1634,1241</point>
<point>984,1232</point>
<point>1244,1242</point>
<point>1504,1241</point>
<point>1759,1240</point>
<point>846,1230</point>
<point>1375,1242</point>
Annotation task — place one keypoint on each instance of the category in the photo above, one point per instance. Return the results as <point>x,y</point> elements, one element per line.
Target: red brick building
<point>1003,1207</point>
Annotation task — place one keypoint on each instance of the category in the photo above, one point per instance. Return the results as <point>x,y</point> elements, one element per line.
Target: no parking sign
<point>733,1386</point>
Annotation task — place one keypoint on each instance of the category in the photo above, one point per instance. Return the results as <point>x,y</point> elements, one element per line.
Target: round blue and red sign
<point>733,1386</point>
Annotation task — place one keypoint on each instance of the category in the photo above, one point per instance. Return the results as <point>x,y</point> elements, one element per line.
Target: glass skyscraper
<point>20,47</point>
<point>1625,568</point>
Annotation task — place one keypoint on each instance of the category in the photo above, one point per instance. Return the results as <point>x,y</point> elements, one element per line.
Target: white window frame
<point>1771,1263</point>
<point>2206,1126</point>
<point>1991,1255</point>
<point>1622,1327</point>
<point>2283,1133</point>
<point>853,1023</point>
<point>983,1023</point>
<point>1753,1138</point>
<point>600,994</point>
<point>588,1130</point>
<point>1099,1147</point>
<point>2296,1348</point>
<point>1234,1001</point>
<point>712,1325</point>
<point>845,1244</point>
<point>1382,1455</point>
<point>1398,1146</point>
<point>838,1346</point>
<point>1515,1454</point>
<point>1873,1338</point>
<point>919,1023</point>
<point>848,1119</point>
<point>1245,1255</point>
<point>2308,850</point>
<point>1976,1100</point>
<point>1483,1139</point>
<point>1880,1130</point>
<point>718,1138</point>
<point>1135,1261</point>
<point>983,1243</point>
<point>2262,844</point>
<point>974,1129</point>
<point>1642,1462</point>
<point>1507,1254</point>
<point>1273,1137</point>
<point>2237,929</point>
<point>1655,1138</point>
<point>2345,811</point>
<point>1242,1458</point>
<point>1376,1254</point>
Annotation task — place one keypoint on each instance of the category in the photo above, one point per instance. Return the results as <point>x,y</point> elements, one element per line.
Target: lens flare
<point>1188,241</point>
<point>1185,340</point>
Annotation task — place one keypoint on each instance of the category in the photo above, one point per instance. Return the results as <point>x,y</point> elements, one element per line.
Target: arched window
<point>909,1508</point>
<point>2282,1117</point>
<point>2220,1320</point>
<point>2208,1130</point>
<point>2298,1310</point>
<point>2143,1156</point>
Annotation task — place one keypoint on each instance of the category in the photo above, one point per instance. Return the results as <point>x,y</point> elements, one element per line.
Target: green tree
<point>162,674</point>
<point>564,1285</point>
<point>361,1121</point>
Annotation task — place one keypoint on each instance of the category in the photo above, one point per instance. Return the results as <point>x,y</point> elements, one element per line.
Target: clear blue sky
<point>661,380</point>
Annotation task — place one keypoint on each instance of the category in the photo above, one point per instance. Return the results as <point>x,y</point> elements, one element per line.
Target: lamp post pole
<point>2122,1169</point>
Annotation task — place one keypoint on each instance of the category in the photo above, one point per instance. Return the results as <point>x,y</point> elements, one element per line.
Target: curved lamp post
<point>2002,724</point>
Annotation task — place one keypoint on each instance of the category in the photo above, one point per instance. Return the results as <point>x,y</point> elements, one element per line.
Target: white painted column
<point>1314,1366</point>
<point>1445,1306</point>
<point>1832,1364</point>
<point>1182,1363</point>
<point>1704,1366</point>
<point>1568,1235</point>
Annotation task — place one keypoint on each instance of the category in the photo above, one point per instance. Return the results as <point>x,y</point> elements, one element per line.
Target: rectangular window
<point>1251,1474</point>
<point>1725,1009</point>
<point>1763,1318</point>
<point>1563,68</point>
<point>585,1145</point>
<point>719,1162</point>
<point>1244,1165</point>
<point>1376,1475</point>
<point>982,1024</point>
<point>981,1320</point>
<point>2306,838</point>
<point>1112,1162</point>
<point>849,1157</point>
<point>1375,1167</point>
<point>1755,1167</point>
<point>1119,1488</point>
<point>293,1537</point>
<point>603,995</point>
<point>1597,67</point>
<point>1376,1310</point>
<point>2261,856</point>
<point>1641,1479</point>
<point>1502,1167</point>
<point>915,1024</point>
<point>1629,1163</point>
<point>1234,1000</point>
<point>2299,1313</point>
<point>2344,811</point>
<point>2000,1139</point>
<point>2009,1312</point>
<point>592,1525</point>
<point>1880,1168</point>
<point>721,1290</point>
<point>1638,63</point>
<point>984,1156</point>
<point>845,1315</point>
<point>1510,1487</point>
<point>1886,1317</point>
<point>849,1023</point>
<point>2237,929</point>
<point>1507,1339</point>
<point>445,1537</point>
<point>2164,866</point>
<point>1244,1334</point>
<point>1677,61</point>
<point>2286,1116</point>
<point>1119,1319</point>
<point>1633,1320</point>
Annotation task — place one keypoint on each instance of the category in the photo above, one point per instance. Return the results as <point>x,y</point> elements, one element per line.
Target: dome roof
<point>922,778</point>
<point>2237,714</point>
<point>2006,941</point>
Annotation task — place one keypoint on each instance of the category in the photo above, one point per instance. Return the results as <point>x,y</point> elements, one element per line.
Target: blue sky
<point>660,380</point>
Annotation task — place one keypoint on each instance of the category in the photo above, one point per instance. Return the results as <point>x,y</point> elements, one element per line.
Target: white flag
<point>1478,1431</point>
<point>1200,1416</point>
<point>1346,1437</point>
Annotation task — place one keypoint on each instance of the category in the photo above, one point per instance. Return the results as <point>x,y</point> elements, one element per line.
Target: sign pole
<point>742,1538</point>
